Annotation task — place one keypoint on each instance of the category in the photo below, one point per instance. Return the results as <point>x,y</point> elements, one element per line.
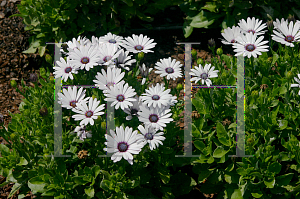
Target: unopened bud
<point>140,56</point>
<point>194,53</point>
<point>200,61</point>
<point>211,42</point>
<point>254,93</point>
<point>13,83</point>
<point>179,87</point>
<point>219,51</point>
<point>42,72</point>
<point>103,125</point>
<point>289,75</point>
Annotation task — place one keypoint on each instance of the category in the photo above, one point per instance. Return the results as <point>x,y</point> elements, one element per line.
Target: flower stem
<point>253,69</point>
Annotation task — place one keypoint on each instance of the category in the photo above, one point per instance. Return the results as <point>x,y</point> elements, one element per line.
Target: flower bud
<point>200,61</point>
<point>270,24</point>
<point>270,59</point>
<point>219,51</point>
<point>49,59</point>
<point>291,18</point>
<point>33,77</point>
<point>194,53</point>
<point>13,83</point>
<point>211,42</point>
<point>103,125</point>
<point>13,136</point>
<point>140,55</point>
<point>289,75</point>
<point>179,87</point>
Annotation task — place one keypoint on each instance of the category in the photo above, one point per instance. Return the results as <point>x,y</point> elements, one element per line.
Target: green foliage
<point>227,13</point>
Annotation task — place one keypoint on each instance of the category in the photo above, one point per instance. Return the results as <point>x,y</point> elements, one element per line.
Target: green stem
<point>253,69</point>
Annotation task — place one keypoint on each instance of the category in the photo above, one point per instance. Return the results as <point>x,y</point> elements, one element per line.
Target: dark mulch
<point>15,65</point>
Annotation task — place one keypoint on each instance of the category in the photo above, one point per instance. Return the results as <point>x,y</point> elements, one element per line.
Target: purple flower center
<point>122,146</point>
<point>169,70</point>
<point>250,47</point>
<point>153,118</point>
<point>109,84</point>
<point>204,76</point>
<point>107,58</point>
<point>233,41</point>
<point>149,136</point>
<point>73,103</point>
<point>139,47</point>
<point>85,60</point>
<point>89,114</point>
<point>112,41</point>
<point>155,97</point>
<point>289,38</point>
<point>68,69</point>
<point>120,98</point>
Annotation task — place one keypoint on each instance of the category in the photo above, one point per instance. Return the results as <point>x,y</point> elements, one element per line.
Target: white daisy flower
<point>70,99</point>
<point>88,114</point>
<point>169,68</point>
<point>86,57</point>
<point>112,39</point>
<point>144,72</point>
<point>113,77</point>
<point>249,46</point>
<point>252,26</point>
<point>204,74</point>
<point>155,117</point>
<point>156,96</point>
<point>122,144</point>
<point>230,34</point>
<point>138,44</point>
<point>132,110</point>
<point>121,95</point>
<point>171,102</point>
<point>149,135</point>
<point>123,60</point>
<point>76,44</point>
<point>108,53</point>
<point>82,133</point>
<point>288,34</point>
<point>64,69</point>
<point>278,23</point>
<point>297,85</point>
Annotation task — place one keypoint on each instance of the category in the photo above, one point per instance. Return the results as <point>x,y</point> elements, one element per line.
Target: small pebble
<point>3,3</point>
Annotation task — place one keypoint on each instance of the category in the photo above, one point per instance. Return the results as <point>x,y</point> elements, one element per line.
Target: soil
<point>15,65</point>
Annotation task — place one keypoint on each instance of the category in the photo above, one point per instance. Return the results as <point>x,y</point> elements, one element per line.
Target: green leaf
<point>222,135</point>
<point>4,150</point>
<point>275,167</point>
<point>187,29</point>
<point>195,131</point>
<point>219,152</point>
<point>96,170</point>
<point>199,145</point>
<point>31,49</point>
<point>199,106</point>
<point>79,180</point>
<point>282,124</point>
<point>90,191</point>
<point>200,21</point>
<point>270,183</point>
<point>42,50</point>
<point>284,180</point>
<point>14,189</point>
<point>128,2</point>
<point>36,185</point>
<point>257,195</point>
<point>210,160</point>
<point>231,81</point>
<point>210,6</point>
<point>266,80</point>
<point>23,161</point>
<point>165,177</point>
<point>275,58</point>
<point>105,184</point>
<point>237,194</point>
